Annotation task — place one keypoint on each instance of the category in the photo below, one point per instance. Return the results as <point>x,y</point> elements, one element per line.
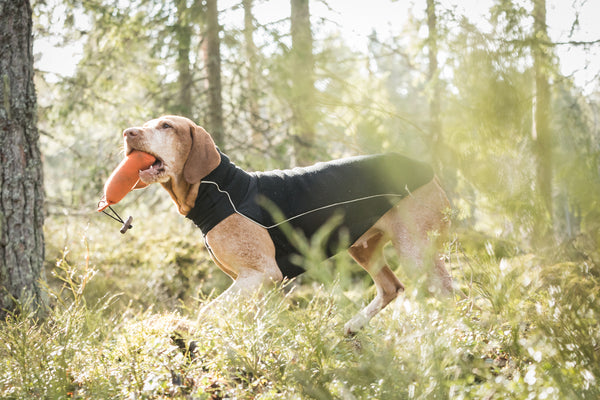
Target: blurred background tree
<point>303,85</point>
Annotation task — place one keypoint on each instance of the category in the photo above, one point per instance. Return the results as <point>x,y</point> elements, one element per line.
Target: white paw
<point>355,324</point>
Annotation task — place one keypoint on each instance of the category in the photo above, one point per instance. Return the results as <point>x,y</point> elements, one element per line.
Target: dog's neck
<point>183,194</point>
<point>217,193</point>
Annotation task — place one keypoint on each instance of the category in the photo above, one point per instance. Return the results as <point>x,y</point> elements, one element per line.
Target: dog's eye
<point>166,125</point>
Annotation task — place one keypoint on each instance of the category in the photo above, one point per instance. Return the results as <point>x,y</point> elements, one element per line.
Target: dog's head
<point>184,151</point>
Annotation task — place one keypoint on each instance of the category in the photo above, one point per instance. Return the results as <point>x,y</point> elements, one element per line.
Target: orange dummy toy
<point>123,180</point>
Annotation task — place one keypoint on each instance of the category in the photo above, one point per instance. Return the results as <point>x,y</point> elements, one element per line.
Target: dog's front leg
<point>245,286</point>
<point>245,251</point>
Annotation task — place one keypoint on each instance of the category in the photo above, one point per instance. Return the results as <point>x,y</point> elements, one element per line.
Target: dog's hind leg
<point>418,227</point>
<point>368,252</point>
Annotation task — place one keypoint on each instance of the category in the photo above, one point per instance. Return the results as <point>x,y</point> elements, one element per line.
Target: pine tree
<point>302,82</point>
<point>21,179</point>
<point>541,131</point>
<point>212,59</point>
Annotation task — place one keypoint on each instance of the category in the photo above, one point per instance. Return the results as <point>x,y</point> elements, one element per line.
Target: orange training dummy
<point>125,178</point>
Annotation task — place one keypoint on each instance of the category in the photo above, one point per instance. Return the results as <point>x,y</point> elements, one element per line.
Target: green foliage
<point>365,103</point>
<point>145,267</point>
<point>526,329</point>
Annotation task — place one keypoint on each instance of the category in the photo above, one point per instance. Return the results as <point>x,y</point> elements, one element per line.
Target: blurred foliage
<point>123,305</point>
<point>370,103</point>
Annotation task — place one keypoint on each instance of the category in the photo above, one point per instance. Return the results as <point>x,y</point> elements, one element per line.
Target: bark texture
<point>21,179</point>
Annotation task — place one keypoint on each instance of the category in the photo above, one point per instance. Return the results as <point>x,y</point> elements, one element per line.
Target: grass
<point>528,329</point>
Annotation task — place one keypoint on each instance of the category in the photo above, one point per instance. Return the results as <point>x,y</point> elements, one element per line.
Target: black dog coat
<point>358,189</point>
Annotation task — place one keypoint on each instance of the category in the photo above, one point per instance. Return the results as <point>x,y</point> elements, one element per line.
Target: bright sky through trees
<point>356,19</point>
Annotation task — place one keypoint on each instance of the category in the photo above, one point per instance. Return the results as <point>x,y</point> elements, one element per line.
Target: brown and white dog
<point>245,250</point>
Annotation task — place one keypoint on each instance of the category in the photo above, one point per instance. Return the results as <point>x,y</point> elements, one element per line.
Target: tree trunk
<point>435,123</point>
<point>212,58</point>
<point>183,34</point>
<point>542,136</point>
<point>21,179</point>
<point>251,78</point>
<point>302,76</point>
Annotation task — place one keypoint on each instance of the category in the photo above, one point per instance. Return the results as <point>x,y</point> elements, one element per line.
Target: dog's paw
<point>355,324</point>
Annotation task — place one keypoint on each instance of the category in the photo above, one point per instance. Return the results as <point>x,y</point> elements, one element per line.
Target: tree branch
<point>575,43</point>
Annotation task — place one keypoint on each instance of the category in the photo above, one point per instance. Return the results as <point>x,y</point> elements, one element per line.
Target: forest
<point>513,136</point>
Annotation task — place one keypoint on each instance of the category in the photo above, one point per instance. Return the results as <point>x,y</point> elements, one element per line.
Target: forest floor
<point>124,323</point>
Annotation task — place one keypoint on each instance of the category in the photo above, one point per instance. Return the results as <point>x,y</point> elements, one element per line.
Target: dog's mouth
<point>154,172</point>
<point>157,172</point>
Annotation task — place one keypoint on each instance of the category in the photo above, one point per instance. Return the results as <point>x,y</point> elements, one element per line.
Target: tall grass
<point>528,328</point>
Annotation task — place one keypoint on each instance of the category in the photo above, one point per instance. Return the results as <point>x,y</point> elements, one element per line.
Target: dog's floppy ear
<point>203,156</point>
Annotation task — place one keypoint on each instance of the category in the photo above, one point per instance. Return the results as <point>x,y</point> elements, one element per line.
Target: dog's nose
<point>131,132</point>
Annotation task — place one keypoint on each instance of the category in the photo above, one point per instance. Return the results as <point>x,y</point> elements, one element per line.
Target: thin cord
<point>306,212</point>
<point>117,218</point>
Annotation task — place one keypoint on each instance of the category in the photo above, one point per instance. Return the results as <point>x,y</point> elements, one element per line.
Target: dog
<point>244,217</point>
